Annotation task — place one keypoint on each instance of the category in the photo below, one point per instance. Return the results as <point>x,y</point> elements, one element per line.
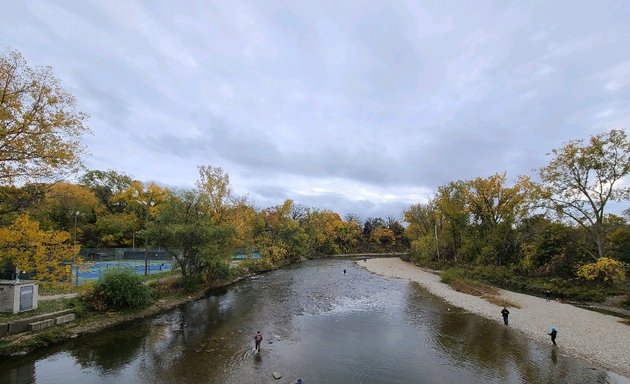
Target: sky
<point>362,107</point>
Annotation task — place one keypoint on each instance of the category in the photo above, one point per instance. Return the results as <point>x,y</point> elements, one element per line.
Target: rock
<point>276,375</point>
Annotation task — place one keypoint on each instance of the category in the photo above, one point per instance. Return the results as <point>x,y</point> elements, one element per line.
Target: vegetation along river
<point>319,325</point>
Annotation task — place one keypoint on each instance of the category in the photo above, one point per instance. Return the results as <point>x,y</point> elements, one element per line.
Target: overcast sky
<point>361,107</point>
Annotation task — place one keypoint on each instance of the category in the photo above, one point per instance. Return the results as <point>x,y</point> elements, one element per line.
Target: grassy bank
<point>168,290</point>
<point>567,289</point>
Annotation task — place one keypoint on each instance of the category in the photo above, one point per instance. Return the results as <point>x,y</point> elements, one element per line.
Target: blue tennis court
<point>96,269</point>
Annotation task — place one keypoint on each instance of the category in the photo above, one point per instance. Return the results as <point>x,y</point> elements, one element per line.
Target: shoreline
<point>593,336</point>
<point>20,344</point>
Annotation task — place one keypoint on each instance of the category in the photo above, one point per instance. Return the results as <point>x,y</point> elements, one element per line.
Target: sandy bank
<point>596,337</point>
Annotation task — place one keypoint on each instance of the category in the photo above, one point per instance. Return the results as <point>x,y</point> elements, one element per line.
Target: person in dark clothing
<point>547,294</point>
<point>344,271</point>
<point>553,334</point>
<point>505,314</point>
<point>257,340</point>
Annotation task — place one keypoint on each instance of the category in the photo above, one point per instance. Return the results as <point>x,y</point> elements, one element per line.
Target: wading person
<point>505,313</point>
<point>257,340</point>
<point>553,334</point>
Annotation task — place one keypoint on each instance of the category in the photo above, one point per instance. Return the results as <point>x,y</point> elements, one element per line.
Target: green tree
<point>584,177</point>
<point>40,127</point>
<point>105,185</point>
<point>189,227</point>
<point>494,208</point>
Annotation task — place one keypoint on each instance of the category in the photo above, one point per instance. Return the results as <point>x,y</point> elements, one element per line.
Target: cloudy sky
<point>361,107</point>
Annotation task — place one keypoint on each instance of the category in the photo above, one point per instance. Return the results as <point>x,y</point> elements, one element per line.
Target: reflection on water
<point>318,324</point>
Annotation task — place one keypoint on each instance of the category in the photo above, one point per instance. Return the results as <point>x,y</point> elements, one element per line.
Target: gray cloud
<point>356,107</point>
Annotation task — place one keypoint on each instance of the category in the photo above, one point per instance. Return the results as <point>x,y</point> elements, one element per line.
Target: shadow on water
<point>495,353</point>
<point>318,324</point>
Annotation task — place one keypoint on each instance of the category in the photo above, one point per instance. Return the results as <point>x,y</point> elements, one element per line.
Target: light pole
<point>76,273</point>
<point>146,235</point>
<point>76,215</point>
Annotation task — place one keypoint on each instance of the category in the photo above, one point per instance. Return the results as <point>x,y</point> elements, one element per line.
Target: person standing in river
<point>505,313</point>
<point>553,334</point>
<point>257,340</point>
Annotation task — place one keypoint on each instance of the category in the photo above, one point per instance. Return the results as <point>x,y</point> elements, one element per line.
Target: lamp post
<point>76,273</point>
<point>76,215</point>
<point>146,234</point>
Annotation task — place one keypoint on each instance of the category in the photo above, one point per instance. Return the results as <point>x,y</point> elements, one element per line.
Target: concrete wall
<point>10,295</point>
<point>23,325</point>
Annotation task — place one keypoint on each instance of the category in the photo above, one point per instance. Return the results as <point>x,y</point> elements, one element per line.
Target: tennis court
<point>94,270</point>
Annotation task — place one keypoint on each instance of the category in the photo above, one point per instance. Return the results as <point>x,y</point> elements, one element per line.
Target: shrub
<point>191,283</point>
<point>604,270</point>
<point>116,289</point>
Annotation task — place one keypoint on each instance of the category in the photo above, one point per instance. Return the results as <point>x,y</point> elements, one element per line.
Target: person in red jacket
<point>257,340</point>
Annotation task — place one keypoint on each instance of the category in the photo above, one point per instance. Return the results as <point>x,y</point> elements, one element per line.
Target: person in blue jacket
<point>553,334</point>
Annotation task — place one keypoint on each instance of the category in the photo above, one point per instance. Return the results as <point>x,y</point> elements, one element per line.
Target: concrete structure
<point>65,318</point>
<point>18,296</point>
<point>42,324</point>
<point>23,325</point>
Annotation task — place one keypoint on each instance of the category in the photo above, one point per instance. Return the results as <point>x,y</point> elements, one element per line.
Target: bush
<point>605,270</point>
<point>191,283</point>
<point>116,289</point>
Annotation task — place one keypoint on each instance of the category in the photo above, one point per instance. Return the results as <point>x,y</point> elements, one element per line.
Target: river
<point>319,325</point>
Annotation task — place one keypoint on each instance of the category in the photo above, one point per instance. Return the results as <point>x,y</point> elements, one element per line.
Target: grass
<point>475,288</point>
<point>501,302</point>
<point>43,307</point>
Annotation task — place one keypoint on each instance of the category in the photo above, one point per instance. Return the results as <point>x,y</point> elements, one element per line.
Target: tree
<point>114,229</point>
<point>106,185</point>
<point>40,126</point>
<point>584,177</point>
<point>66,204</point>
<point>604,270</point>
<point>30,249</point>
<point>189,235</point>
<point>215,184</point>
<point>494,208</point>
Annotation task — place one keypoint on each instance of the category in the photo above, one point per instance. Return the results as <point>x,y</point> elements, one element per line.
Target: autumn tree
<point>494,208</point>
<point>215,184</point>
<point>422,230</point>
<point>66,202</point>
<point>40,126</point>
<point>186,230</point>
<point>584,177</point>
<point>200,226</point>
<point>280,237</point>
<point>323,228</point>
<point>28,248</point>
<point>105,185</point>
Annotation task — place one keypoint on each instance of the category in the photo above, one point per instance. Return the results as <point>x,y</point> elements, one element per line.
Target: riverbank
<point>599,338</point>
<point>24,343</point>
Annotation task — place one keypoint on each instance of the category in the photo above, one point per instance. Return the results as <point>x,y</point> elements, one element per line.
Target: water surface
<point>318,324</point>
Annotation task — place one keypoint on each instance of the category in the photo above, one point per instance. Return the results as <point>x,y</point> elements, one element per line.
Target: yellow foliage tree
<point>30,249</point>
<point>40,128</point>
<point>604,270</point>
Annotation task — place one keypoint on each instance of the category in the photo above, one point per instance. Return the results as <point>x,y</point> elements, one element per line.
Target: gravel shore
<point>596,337</point>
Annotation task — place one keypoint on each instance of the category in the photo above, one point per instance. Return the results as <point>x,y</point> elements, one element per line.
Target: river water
<point>319,325</point>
